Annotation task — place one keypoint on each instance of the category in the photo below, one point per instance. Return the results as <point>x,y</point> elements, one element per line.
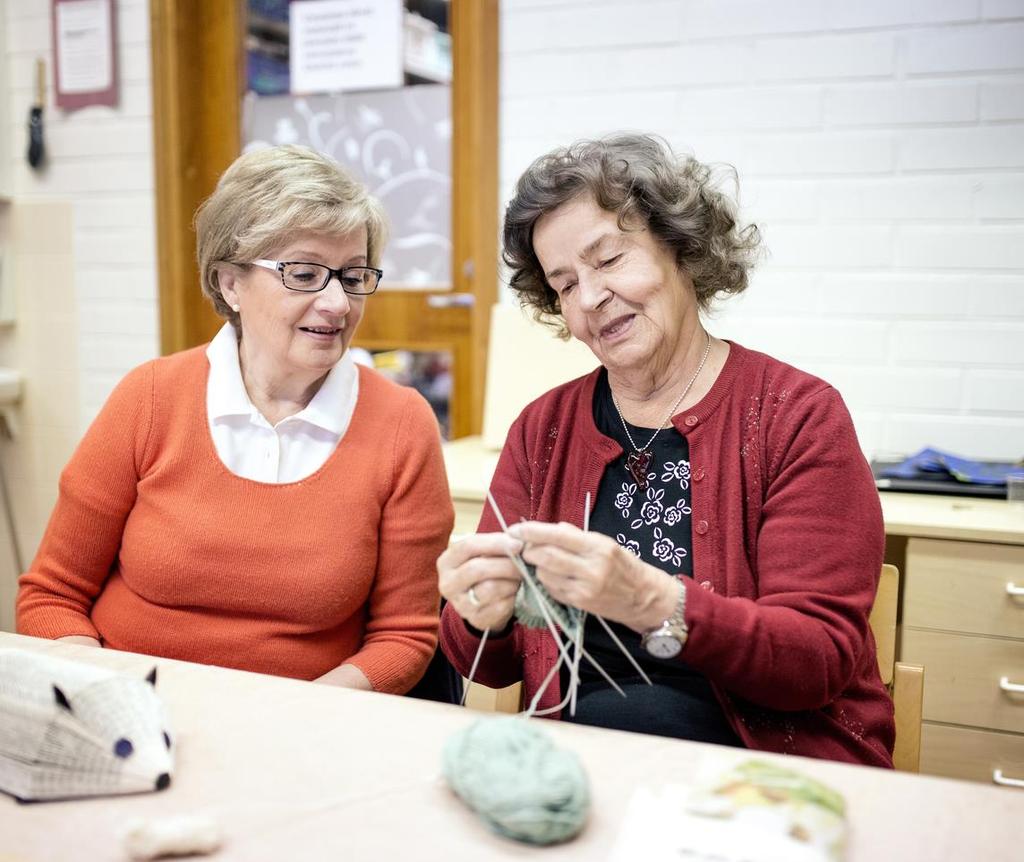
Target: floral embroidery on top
<point>674,514</point>
<point>678,471</point>
<point>649,519</point>
<point>663,508</point>
<point>651,509</point>
<point>665,549</point>
<point>630,545</point>
<point>624,499</point>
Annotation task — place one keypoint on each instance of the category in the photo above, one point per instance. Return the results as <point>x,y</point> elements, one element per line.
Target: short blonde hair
<point>270,194</point>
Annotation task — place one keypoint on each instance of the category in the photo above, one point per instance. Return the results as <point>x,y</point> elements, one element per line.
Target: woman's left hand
<point>592,572</point>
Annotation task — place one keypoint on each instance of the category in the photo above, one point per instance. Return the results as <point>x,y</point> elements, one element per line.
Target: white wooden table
<point>298,771</point>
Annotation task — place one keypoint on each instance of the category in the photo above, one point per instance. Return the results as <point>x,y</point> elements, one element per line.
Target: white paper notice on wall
<point>83,37</point>
<point>339,45</point>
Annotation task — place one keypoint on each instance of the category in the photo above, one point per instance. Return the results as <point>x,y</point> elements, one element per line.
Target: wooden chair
<point>905,681</point>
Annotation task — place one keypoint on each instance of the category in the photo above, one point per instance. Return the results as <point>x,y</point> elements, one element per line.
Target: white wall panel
<point>880,146</point>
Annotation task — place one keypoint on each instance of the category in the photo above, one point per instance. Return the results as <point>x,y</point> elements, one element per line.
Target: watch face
<point>663,646</point>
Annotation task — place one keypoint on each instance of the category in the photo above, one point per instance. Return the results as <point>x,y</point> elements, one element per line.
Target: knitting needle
<point>574,677</point>
<point>625,651</point>
<point>542,602</point>
<point>532,709</point>
<point>472,670</point>
<point>545,610</point>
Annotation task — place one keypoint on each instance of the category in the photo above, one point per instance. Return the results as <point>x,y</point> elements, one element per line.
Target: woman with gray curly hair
<point>735,538</point>
<point>260,502</point>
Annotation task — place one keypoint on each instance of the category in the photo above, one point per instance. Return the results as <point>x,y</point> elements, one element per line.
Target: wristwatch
<point>667,640</point>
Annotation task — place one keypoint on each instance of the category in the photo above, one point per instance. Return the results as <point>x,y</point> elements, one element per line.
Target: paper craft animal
<point>70,729</point>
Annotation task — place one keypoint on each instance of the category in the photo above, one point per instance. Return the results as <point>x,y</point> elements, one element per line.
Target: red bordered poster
<point>84,52</point>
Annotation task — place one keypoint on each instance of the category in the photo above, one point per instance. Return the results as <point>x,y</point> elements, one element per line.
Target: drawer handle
<point>999,778</point>
<point>1013,590</point>
<point>1006,685</point>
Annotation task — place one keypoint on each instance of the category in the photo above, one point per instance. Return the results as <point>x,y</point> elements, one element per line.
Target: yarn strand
<point>472,669</point>
<point>625,652</point>
<point>542,603</point>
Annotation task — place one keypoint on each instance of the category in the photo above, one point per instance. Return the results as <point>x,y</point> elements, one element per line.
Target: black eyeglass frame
<point>279,265</point>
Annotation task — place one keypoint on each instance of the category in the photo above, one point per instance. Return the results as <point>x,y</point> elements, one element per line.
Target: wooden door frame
<point>197,87</point>
<point>198,82</point>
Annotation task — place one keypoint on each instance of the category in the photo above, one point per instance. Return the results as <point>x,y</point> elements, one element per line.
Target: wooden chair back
<point>905,681</point>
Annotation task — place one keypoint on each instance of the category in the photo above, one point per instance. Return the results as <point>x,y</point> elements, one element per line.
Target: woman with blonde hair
<point>260,502</point>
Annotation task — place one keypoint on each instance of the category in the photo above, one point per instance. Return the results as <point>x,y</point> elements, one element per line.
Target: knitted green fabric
<point>512,775</point>
<point>528,610</point>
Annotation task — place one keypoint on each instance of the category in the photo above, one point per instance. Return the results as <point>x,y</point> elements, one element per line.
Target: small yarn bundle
<point>515,778</point>
<point>528,610</point>
<point>183,835</point>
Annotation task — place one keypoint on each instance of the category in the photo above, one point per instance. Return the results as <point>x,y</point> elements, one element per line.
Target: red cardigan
<point>787,549</point>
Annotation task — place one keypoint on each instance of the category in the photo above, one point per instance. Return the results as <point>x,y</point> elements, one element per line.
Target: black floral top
<point>654,524</point>
<point>658,517</point>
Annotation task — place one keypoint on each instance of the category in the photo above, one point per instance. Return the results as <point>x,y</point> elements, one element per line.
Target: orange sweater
<point>155,547</point>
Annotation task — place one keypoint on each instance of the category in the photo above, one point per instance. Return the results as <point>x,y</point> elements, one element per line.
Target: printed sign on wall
<point>343,45</point>
<point>85,62</point>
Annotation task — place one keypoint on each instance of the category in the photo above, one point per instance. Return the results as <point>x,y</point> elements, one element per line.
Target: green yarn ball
<point>512,775</point>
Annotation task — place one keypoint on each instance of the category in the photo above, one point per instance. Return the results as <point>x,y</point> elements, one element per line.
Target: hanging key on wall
<point>36,149</point>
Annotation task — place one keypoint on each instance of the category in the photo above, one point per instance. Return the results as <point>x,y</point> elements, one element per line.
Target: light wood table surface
<point>299,771</point>
<point>966,519</point>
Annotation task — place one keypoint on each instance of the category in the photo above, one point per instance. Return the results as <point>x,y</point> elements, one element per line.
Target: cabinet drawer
<point>962,676</point>
<point>973,755</point>
<point>963,587</point>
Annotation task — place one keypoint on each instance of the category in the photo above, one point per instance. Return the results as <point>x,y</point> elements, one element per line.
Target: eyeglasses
<point>313,277</point>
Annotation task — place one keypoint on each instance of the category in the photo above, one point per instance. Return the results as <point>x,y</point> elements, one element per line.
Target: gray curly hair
<point>639,178</point>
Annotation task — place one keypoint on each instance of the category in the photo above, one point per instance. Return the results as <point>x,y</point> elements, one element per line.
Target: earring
<point>236,308</point>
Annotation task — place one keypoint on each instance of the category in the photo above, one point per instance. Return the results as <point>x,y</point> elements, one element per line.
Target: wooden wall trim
<point>196,49</point>
<point>474,26</point>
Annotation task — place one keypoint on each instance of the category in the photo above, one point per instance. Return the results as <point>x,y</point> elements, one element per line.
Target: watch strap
<point>678,618</point>
<point>676,622</point>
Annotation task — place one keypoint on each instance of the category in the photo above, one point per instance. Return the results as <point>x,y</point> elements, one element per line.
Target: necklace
<point>639,460</point>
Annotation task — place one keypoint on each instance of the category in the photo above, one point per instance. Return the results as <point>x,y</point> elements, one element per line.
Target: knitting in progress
<point>535,608</point>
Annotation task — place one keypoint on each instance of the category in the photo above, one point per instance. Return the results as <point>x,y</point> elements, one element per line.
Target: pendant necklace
<point>639,460</point>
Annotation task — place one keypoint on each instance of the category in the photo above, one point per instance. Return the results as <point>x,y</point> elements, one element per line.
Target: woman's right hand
<point>479,580</point>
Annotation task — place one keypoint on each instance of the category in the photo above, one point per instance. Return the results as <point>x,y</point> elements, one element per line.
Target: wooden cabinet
<point>971,755</point>
<point>962,619</point>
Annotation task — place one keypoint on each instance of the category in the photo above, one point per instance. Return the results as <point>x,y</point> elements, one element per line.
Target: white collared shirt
<point>294,448</point>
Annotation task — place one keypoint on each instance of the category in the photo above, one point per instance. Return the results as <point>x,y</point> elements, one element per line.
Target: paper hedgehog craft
<point>69,729</point>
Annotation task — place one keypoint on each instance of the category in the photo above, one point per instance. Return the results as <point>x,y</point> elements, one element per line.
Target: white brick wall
<point>879,144</point>
<point>101,160</point>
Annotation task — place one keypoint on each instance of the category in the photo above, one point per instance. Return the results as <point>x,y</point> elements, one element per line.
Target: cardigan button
<point>702,527</point>
<point>707,585</point>
<point>698,474</point>
<point>691,420</point>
